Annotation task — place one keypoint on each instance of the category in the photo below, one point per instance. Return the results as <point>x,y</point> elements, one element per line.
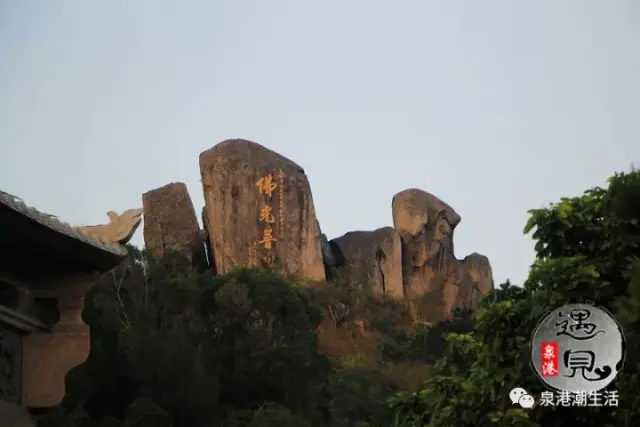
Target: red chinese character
<point>549,359</point>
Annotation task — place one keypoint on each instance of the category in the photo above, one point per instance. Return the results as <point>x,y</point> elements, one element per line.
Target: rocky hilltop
<point>259,211</point>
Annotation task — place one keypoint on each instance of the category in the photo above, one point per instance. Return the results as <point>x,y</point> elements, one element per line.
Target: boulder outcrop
<point>478,268</point>
<point>373,258</point>
<point>426,225</point>
<point>260,210</point>
<point>170,222</point>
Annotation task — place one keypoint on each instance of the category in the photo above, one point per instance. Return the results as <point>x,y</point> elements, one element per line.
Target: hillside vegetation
<point>253,348</point>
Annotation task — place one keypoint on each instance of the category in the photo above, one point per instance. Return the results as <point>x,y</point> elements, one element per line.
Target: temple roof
<point>25,233</point>
<point>53,223</point>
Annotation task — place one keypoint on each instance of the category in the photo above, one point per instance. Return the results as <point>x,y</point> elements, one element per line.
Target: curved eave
<point>35,240</point>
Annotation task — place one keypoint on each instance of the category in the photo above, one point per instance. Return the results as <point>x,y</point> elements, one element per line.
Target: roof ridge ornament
<point>120,228</point>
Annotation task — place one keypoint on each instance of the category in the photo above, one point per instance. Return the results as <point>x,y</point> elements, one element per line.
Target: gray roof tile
<point>53,223</point>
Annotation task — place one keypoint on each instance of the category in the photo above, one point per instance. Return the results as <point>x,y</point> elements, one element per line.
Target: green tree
<point>265,329</point>
<point>587,249</point>
<point>425,343</point>
<point>173,347</point>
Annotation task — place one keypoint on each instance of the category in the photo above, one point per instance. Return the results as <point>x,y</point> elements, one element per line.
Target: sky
<point>495,107</point>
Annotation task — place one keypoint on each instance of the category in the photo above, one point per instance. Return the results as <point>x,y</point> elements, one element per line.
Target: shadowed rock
<point>327,253</point>
<point>480,273</point>
<point>170,222</point>
<point>207,241</point>
<point>373,258</point>
<point>260,210</point>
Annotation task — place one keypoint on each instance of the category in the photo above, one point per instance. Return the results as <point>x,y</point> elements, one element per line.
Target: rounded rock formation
<point>260,210</point>
<point>373,258</point>
<point>426,225</point>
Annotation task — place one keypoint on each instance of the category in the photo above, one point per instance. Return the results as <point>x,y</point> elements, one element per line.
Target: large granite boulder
<point>480,274</point>
<point>426,225</point>
<point>260,210</point>
<point>373,258</point>
<point>170,222</point>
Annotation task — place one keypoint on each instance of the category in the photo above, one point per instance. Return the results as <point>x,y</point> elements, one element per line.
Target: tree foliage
<point>171,348</point>
<point>194,349</point>
<point>424,343</point>
<point>587,250</point>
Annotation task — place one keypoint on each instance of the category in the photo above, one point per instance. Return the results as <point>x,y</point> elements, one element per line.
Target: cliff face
<point>259,211</point>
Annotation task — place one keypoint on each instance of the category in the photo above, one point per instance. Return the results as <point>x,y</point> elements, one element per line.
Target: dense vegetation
<point>253,348</point>
<point>171,347</point>
<point>588,249</point>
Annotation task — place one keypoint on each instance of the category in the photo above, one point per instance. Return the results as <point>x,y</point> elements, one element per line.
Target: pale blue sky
<point>496,107</point>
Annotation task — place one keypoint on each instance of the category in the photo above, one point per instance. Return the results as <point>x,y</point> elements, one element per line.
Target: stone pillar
<point>13,415</point>
<point>49,356</point>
